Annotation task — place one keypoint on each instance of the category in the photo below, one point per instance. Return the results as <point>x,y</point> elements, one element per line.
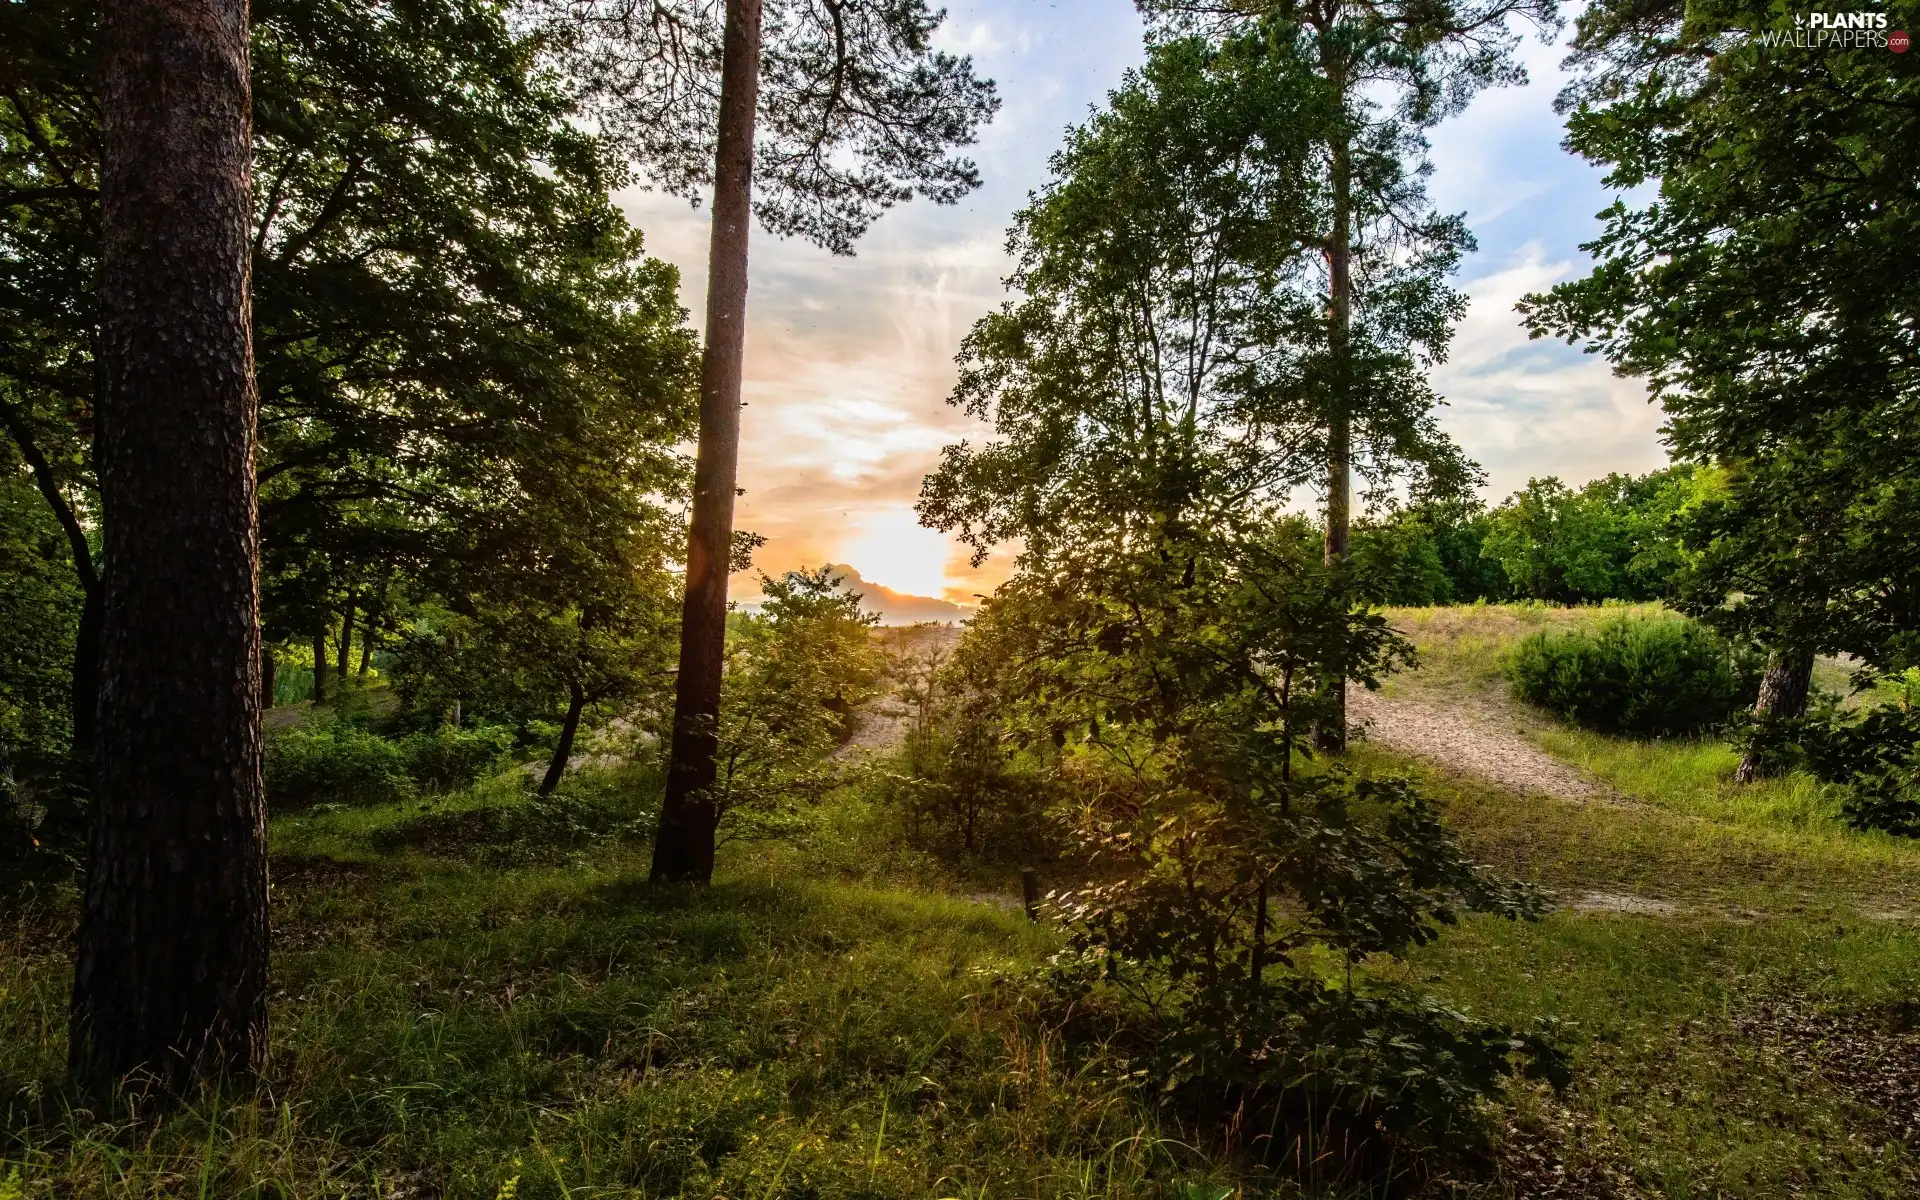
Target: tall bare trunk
<point>269,675</point>
<point>1332,734</point>
<point>557,766</point>
<point>170,968</point>
<point>683,849</point>
<point>1783,694</point>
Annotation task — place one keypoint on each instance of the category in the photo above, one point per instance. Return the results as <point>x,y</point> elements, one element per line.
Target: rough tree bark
<point>1783,693</point>
<point>683,850</point>
<point>557,767</point>
<point>1332,734</point>
<point>171,964</point>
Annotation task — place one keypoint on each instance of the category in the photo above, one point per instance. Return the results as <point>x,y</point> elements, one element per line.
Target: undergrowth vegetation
<point>477,994</point>
<point>1647,676</point>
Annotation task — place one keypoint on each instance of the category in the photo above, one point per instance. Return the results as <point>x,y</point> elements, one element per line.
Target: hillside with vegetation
<point>393,803</point>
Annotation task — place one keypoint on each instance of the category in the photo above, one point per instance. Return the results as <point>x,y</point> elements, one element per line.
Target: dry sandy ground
<point>1477,736</point>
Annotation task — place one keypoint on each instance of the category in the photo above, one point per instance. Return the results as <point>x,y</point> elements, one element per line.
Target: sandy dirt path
<point>1474,737</point>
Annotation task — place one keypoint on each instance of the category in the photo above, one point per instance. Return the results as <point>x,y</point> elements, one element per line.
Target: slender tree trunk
<point>1258,967</point>
<point>269,675</point>
<point>366,648</point>
<point>1332,734</point>
<point>576,701</point>
<point>320,664</point>
<point>1783,693</point>
<point>683,850</point>
<point>346,641</point>
<point>170,967</point>
<point>86,643</point>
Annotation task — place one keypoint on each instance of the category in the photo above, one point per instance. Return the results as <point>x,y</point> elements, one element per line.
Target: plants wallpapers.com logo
<point>1837,31</point>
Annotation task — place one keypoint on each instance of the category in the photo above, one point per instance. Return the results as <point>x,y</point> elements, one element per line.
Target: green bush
<point>1654,676</point>
<point>444,759</point>
<point>1873,755</point>
<point>335,762</point>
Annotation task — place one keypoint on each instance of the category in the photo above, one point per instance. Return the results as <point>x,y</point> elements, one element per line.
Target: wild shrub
<point>795,673</point>
<point>957,785</point>
<point>1236,892</point>
<point>445,758</point>
<point>1874,755</point>
<point>1648,676</point>
<point>1226,944</point>
<point>335,762</point>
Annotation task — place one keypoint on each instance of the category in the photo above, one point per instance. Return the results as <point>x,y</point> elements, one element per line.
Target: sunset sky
<point>849,360</point>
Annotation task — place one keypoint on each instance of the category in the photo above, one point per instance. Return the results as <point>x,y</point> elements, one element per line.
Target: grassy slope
<point>1716,1049</point>
<point>443,1027</point>
<point>462,1003</point>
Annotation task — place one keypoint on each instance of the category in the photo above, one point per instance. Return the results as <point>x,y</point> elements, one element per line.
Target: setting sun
<point>894,550</point>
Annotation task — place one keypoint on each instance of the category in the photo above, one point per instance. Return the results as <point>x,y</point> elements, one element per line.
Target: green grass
<point>1710,1046</point>
<point>472,992</point>
<point>447,1026</point>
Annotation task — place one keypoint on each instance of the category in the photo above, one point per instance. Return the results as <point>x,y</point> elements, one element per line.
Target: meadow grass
<point>479,995</point>
<point>443,1027</point>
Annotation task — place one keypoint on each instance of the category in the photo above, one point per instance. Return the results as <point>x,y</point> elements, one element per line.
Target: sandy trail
<point>1482,739</point>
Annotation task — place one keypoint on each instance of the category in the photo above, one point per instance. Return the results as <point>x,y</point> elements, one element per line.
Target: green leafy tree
<point>1385,73</point>
<point>1168,641</point>
<point>40,605</point>
<point>463,356</point>
<point>1617,538</point>
<point>1764,293</point>
<point>1430,552</point>
<point>797,671</point>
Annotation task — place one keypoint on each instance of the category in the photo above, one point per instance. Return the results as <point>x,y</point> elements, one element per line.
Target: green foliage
<point>1430,553</point>
<point>857,110</point>
<point>958,786</point>
<point>1218,932</point>
<point>1169,639</point>
<point>471,378</point>
<point>1614,539</point>
<point>794,674</point>
<point>1873,753</point>
<point>1142,363</point>
<point>338,760</point>
<point>445,759</point>
<point>334,762</point>
<point>40,601</point>
<point>1641,676</point>
<point>1759,294</point>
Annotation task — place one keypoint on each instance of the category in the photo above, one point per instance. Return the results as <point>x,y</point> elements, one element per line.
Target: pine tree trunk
<point>86,675</point>
<point>1783,693</point>
<point>1332,734</point>
<point>170,967</point>
<point>269,675</point>
<point>683,850</point>
<point>320,665</point>
<point>576,701</point>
